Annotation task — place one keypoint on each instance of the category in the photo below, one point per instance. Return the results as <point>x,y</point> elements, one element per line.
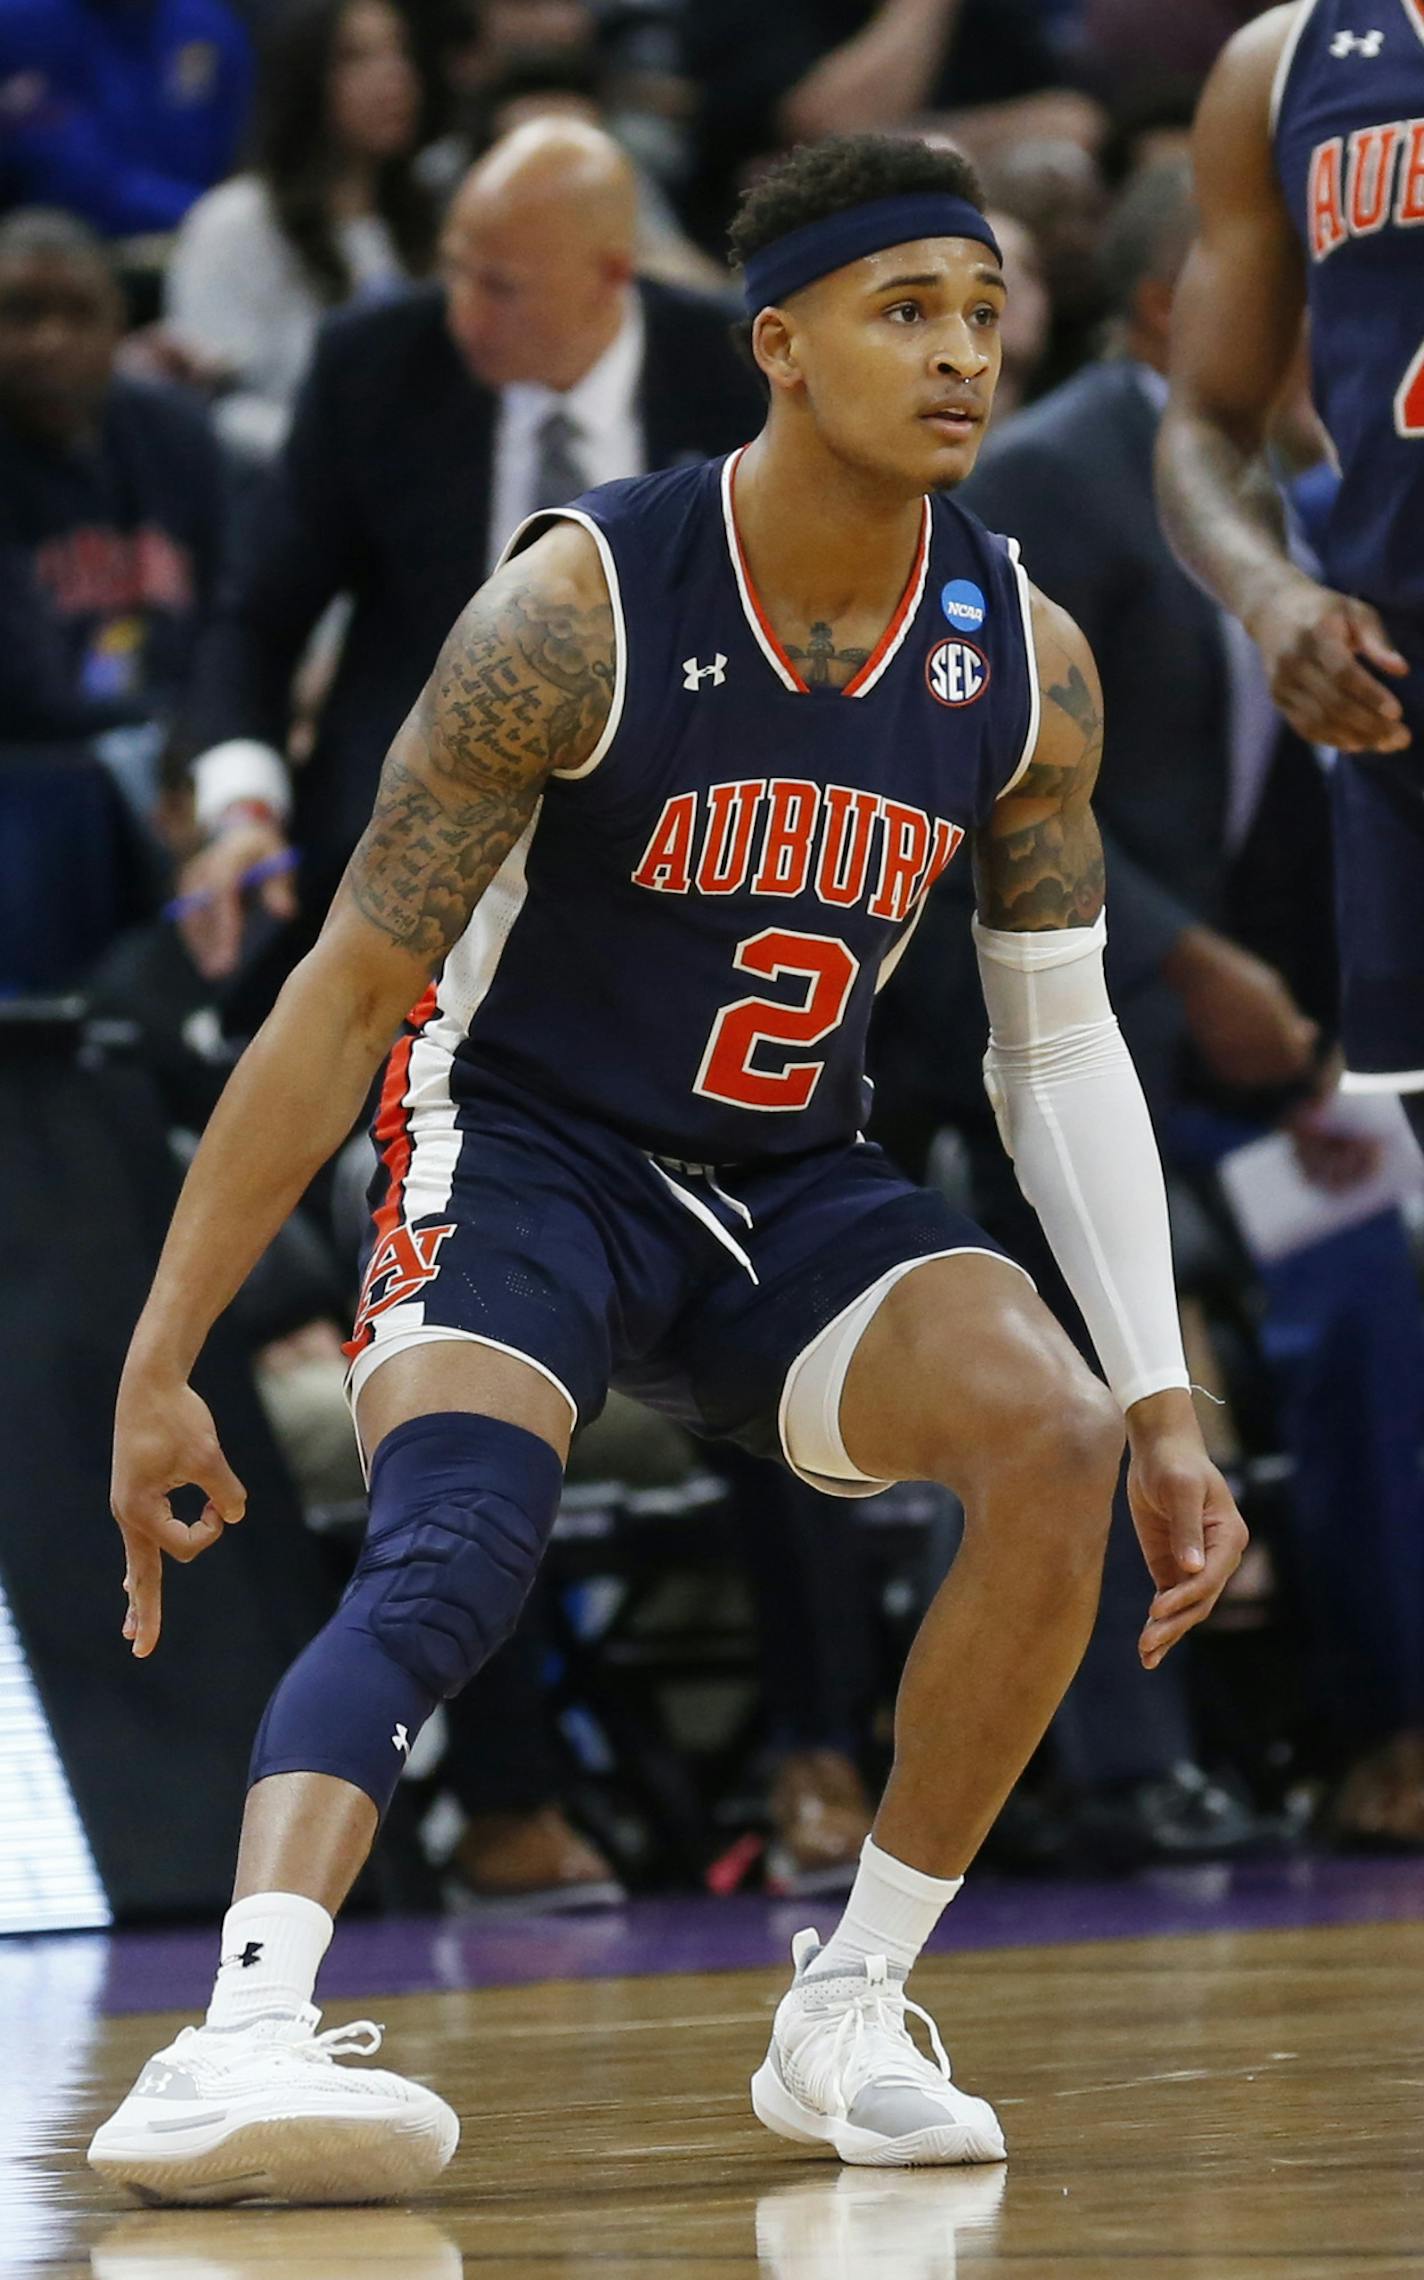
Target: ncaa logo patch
<point>957,672</point>
<point>964,605</point>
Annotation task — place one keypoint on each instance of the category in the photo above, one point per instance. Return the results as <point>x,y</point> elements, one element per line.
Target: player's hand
<point>213,878</point>
<point>1242,1017</point>
<point>1323,653</point>
<point>164,1439</point>
<point>1192,1535</point>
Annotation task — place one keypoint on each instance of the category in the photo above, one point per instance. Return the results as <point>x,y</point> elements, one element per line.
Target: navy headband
<point>817,248</point>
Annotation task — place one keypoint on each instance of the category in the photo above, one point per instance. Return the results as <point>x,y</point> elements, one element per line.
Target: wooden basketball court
<point>1219,2106</point>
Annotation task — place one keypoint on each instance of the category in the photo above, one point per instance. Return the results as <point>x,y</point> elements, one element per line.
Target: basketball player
<point>1309,150</point>
<point>662,819</point>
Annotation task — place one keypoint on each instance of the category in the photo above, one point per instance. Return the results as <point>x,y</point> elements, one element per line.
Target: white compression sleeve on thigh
<point>1070,1112</point>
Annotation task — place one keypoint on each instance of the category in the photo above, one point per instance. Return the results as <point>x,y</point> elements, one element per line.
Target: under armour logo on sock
<point>248,1956</point>
<point>400,1740</point>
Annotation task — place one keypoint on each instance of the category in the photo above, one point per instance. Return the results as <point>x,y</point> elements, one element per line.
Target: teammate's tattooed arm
<point>1236,328</point>
<point>1038,862</point>
<point>522,689</point>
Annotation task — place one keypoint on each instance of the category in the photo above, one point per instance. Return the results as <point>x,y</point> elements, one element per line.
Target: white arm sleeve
<point>1070,1112</point>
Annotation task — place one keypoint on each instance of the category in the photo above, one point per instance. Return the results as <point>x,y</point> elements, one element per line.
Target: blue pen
<point>270,867</point>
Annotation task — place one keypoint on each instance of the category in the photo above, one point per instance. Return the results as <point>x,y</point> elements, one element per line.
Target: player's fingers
<point>180,1542</point>
<point>1203,1589</point>
<point>143,1581</point>
<point>1160,1633</point>
<point>1175,1612</point>
<point>1180,1498</point>
<point>227,1498</point>
<point>1365,630</point>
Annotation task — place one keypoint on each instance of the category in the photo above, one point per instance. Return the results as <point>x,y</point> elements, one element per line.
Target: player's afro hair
<point>817,179</point>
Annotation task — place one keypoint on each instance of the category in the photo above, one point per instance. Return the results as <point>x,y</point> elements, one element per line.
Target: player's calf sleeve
<point>461,1509</point>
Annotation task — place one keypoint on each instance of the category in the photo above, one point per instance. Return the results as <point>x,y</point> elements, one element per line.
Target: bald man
<point>538,366</point>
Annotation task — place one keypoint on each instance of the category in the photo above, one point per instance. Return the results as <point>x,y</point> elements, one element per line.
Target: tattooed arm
<point>522,689</point>
<point>1038,863</point>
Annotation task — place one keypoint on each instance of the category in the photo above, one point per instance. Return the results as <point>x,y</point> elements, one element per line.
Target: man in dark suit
<point>427,429</point>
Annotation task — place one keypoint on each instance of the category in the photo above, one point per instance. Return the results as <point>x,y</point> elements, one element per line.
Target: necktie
<point>558,476</point>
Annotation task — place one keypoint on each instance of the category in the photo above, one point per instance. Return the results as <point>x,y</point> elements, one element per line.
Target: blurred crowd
<point>303,305</point>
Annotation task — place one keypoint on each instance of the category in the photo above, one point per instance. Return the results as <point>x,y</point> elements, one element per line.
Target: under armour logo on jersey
<point>400,1740</point>
<point>693,674</point>
<point>1356,43</point>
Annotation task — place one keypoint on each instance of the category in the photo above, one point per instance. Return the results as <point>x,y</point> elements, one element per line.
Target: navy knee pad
<point>461,1509</point>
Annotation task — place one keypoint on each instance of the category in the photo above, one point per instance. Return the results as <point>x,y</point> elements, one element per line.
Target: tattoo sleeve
<point>522,688</point>
<point>1038,862</point>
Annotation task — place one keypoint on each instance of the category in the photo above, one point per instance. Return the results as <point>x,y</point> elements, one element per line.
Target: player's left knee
<point>1053,1463</point>
<point>462,1507</point>
<point>1089,1435</point>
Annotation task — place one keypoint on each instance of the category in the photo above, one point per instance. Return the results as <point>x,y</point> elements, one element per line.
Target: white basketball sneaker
<point>842,2071</point>
<point>263,2112</point>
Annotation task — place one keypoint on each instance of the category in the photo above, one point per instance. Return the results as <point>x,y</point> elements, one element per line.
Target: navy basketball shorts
<point>727,1297</point>
<point>1377,799</point>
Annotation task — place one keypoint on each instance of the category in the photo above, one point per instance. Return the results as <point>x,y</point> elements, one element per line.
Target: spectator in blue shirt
<point>112,502</point>
<point>122,111</point>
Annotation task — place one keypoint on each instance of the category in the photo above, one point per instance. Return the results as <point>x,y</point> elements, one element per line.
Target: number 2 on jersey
<point>728,1071</point>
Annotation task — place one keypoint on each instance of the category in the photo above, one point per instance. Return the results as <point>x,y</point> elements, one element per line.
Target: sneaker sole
<point>305,2158</point>
<point>951,2145</point>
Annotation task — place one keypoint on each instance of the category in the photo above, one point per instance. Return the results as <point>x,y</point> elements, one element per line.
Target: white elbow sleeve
<point>1071,1114</point>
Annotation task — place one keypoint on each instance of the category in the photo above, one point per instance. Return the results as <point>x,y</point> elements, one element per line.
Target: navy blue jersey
<point>687,941</point>
<point>1349,139</point>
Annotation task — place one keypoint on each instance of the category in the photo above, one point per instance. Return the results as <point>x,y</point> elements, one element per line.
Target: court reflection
<point>260,2244</point>
<point>845,2224</point>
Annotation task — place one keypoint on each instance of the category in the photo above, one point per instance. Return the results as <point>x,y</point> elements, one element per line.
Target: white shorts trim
<point>402,1341</point>
<point>809,1414</point>
<point>1386,1081</point>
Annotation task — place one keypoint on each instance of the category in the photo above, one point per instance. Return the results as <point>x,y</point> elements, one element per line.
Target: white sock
<point>272,1946</point>
<point>891,1911</point>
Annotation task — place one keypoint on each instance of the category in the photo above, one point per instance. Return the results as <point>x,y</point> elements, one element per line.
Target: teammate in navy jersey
<point>665,813</point>
<point>1310,175</point>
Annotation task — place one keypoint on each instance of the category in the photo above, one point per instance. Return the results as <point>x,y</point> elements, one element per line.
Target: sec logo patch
<point>957,672</point>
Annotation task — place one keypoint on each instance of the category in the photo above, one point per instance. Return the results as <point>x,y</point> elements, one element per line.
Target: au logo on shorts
<point>404,1261</point>
<point>957,672</point>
